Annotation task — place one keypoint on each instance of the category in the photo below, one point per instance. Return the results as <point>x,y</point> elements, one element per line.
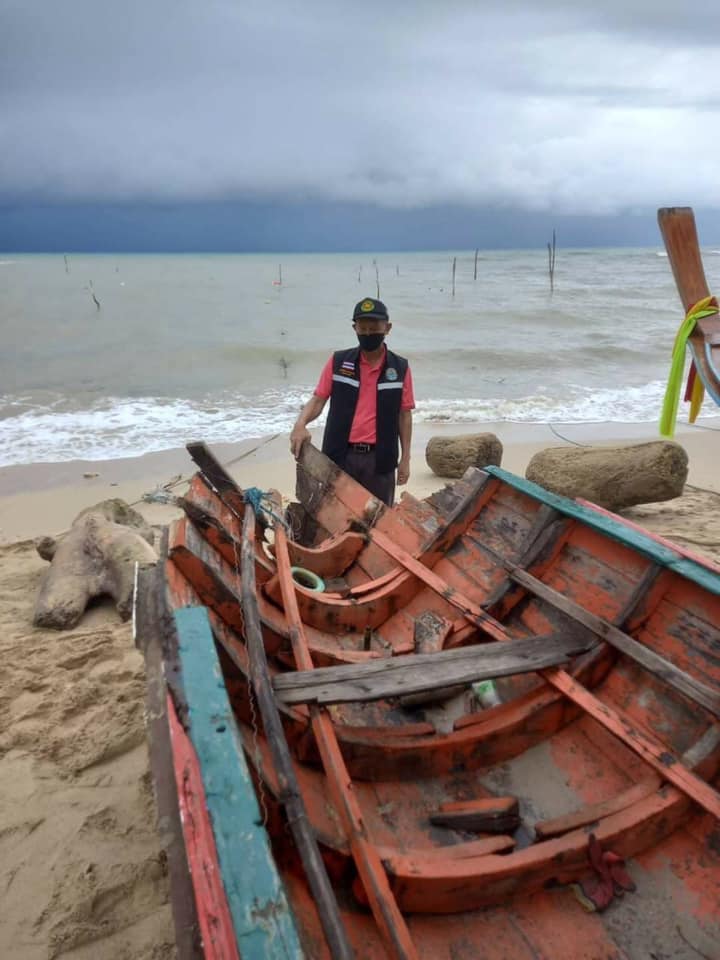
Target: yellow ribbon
<point>703,308</point>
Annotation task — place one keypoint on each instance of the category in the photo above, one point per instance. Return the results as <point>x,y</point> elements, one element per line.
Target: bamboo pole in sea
<point>551,262</point>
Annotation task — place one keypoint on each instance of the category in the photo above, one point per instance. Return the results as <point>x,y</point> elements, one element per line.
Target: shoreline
<point>44,498</point>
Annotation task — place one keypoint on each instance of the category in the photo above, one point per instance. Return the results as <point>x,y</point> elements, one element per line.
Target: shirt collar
<point>366,363</point>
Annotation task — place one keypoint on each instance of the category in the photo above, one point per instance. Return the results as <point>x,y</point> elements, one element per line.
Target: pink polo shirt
<point>363,425</point>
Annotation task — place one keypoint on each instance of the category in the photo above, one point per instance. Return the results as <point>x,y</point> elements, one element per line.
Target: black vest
<point>343,401</point>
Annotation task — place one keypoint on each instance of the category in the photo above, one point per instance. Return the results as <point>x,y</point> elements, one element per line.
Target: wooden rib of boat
<point>444,829</point>
<point>677,226</point>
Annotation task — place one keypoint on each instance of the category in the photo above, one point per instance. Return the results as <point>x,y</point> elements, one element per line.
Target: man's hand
<point>297,438</point>
<point>300,433</point>
<point>403,471</point>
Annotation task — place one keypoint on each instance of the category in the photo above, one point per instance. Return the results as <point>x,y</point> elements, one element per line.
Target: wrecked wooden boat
<point>485,724</point>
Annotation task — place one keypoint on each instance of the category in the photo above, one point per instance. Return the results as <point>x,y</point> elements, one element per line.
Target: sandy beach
<point>81,871</point>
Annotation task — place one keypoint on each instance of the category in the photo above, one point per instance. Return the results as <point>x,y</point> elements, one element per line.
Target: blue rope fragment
<point>255,497</point>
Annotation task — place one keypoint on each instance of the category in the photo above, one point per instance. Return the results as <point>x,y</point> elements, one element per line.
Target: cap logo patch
<point>391,373</point>
<point>367,305</point>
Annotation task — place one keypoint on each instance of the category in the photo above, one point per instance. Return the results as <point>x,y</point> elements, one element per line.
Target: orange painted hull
<point>601,747</point>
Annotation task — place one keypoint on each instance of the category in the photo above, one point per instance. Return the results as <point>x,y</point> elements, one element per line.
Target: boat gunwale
<point>696,569</point>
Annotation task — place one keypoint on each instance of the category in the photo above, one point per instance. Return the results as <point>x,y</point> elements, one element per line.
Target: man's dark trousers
<point>361,467</point>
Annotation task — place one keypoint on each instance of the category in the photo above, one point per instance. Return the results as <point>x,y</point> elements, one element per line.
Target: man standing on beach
<point>371,402</point>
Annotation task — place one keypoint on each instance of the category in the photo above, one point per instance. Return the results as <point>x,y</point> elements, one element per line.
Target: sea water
<point>115,355</point>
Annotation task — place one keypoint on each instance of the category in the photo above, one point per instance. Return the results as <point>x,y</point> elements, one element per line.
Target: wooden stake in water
<point>92,294</point>
<point>67,268</point>
<point>453,275</point>
<point>551,262</point>
<point>475,273</point>
<point>280,274</point>
<point>359,272</point>
<point>377,278</point>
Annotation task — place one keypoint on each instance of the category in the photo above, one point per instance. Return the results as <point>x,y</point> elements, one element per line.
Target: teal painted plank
<point>264,924</point>
<point>683,566</point>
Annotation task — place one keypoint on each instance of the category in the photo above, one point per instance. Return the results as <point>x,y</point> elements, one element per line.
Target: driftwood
<point>96,556</point>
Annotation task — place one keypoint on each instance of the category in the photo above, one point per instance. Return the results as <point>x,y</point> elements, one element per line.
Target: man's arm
<point>300,433</point>
<point>405,430</point>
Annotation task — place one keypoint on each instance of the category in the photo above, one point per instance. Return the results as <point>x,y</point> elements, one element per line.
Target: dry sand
<point>81,871</point>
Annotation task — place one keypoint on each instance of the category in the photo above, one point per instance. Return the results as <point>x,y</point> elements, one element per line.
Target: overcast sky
<point>584,108</point>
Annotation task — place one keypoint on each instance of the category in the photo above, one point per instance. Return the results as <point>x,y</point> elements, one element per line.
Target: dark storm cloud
<point>533,106</point>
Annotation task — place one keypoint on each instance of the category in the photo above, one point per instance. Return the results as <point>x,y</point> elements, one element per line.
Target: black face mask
<point>370,341</point>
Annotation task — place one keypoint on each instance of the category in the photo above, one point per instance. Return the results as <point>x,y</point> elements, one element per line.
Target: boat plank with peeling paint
<point>578,816</point>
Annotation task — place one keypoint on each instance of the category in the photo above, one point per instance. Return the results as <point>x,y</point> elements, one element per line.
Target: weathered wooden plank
<point>617,530</point>
<point>642,600</point>
<point>594,812</point>
<point>651,750</point>
<point>691,555</point>
<point>430,632</point>
<point>546,531</point>
<point>404,675</point>
<point>659,667</point>
<point>646,747</point>
<point>263,921</point>
<point>485,815</point>
<point>471,610</point>
<point>219,940</point>
<point>371,872</point>
<point>291,797</point>
<point>148,627</point>
<point>217,475</point>
<point>469,850</point>
<point>219,525</point>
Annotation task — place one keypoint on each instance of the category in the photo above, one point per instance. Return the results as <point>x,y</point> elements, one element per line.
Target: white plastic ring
<point>307,579</point>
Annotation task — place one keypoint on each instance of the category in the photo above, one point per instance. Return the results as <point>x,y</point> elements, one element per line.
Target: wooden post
<point>377,278</point>
<point>359,272</point>
<point>475,272</point>
<point>92,294</point>
<point>453,275</point>
<point>280,274</point>
<point>551,262</point>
